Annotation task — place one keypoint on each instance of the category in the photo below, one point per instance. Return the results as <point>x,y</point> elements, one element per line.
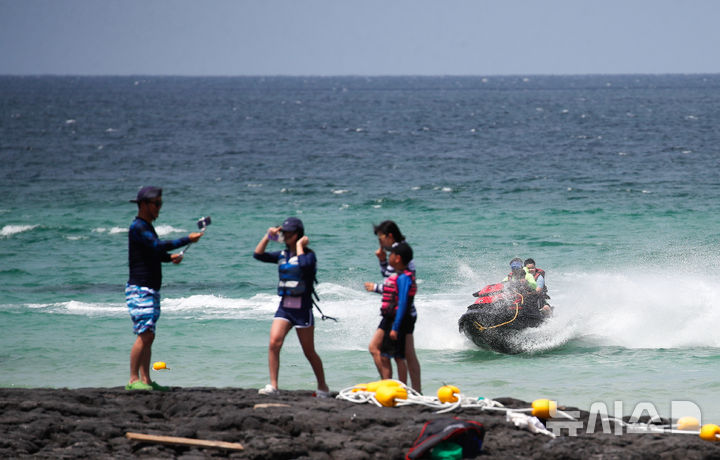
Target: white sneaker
<point>268,390</point>
<point>321,394</point>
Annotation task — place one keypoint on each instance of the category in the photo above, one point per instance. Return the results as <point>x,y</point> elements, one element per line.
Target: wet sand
<point>93,422</point>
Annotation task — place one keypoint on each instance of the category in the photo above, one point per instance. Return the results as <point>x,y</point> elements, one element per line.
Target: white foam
<point>111,230</point>
<point>212,306</point>
<point>81,308</point>
<point>641,310</point>
<point>10,230</point>
<point>163,230</point>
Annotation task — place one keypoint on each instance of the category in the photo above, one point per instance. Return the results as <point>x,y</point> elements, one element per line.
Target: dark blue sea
<point>609,182</point>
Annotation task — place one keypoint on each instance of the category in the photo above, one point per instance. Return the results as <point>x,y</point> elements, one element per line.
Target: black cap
<point>147,193</point>
<point>292,224</point>
<point>404,251</point>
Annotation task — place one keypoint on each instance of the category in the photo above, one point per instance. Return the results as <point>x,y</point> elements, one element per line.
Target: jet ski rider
<point>518,272</point>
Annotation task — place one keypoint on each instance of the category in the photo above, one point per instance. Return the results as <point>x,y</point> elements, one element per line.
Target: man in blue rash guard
<point>145,254</point>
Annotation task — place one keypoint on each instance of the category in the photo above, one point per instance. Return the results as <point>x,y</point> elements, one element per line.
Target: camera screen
<point>204,222</point>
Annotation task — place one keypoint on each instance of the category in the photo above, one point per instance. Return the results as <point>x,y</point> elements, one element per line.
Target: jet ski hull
<point>497,325</point>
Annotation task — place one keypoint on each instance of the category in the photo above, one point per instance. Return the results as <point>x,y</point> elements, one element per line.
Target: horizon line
<point>514,75</point>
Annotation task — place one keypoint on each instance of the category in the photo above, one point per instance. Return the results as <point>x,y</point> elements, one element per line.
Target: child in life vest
<point>397,310</point>
<point>389,235</point>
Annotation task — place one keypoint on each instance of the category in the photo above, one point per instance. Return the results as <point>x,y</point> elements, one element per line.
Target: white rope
<point>517,416</point>
<point>650,427</point>
<point>528,422</point>
<point>354,395</point>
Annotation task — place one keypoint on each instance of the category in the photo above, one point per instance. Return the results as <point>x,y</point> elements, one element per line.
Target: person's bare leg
<point>306,336</point>
<point>140,357</point>
<point>413,364</point>
<point>278,331</point>
<point>385,368</point>
<point>402,369</point>
<point>374,349</point>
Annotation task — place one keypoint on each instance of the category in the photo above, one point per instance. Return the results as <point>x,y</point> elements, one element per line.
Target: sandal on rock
<point>157,387</point>
<point>139,385</point>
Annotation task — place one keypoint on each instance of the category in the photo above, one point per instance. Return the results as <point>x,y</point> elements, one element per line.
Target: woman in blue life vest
<point>297,266</point>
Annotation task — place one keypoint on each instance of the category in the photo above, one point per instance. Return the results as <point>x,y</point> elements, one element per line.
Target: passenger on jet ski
<point>539,276</point>
<point>537,273</point>
<point>524,280</point>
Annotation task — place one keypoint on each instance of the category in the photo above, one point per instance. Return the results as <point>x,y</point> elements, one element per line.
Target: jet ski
<point>499,315</point>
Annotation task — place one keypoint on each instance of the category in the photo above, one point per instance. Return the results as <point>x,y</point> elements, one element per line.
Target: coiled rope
<point>480,327</point>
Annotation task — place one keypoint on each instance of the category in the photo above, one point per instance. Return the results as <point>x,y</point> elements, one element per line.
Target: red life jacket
<point>538,272</point>
<point>390,293</point>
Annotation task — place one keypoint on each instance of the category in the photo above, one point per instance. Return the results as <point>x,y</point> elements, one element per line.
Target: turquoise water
<point>607,181</point>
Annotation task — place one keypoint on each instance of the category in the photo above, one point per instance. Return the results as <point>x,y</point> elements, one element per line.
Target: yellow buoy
<point>387,394</point>
<point>708,432</point>
<point>447,393</point>
<point>359,387</point>
<point>688,423</point>
<point>160,365</point>
<point>373,386</point>
<point>544,408</point>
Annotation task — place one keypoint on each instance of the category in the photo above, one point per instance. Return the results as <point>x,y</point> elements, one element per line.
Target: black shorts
<point>396,348</point>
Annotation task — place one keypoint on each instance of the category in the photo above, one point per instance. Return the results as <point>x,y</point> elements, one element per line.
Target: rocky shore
<point>93,423</point>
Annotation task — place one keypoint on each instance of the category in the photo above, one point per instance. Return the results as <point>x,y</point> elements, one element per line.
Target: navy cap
<point>404,251</point>
<point>147,193</point>
<point>292,224</point>
<point>516,263</point>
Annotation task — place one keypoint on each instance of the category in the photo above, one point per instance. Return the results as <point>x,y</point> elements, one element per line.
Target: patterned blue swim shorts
<point>144,307</point>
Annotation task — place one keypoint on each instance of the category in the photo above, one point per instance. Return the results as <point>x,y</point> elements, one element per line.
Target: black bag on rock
<point>466,433</point>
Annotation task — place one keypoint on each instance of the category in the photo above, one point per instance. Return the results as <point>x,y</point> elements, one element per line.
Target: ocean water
<point>609,182</point>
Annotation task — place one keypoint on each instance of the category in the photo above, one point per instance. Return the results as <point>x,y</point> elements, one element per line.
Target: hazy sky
<point>362,37</point>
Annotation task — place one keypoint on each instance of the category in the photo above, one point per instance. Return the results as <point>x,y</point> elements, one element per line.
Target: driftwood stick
<point>183,441</point>
<point>266,405</point>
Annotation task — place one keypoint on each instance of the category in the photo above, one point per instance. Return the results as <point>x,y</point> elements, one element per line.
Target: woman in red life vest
<point>398,311</point>
<point>389,235</point>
